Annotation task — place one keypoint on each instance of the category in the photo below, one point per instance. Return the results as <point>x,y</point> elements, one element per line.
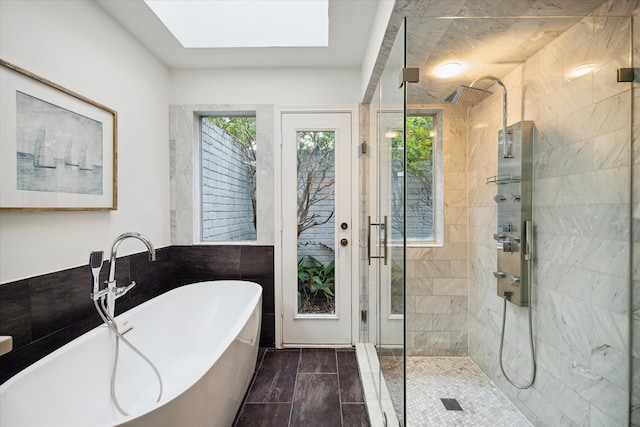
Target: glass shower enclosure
<point>439,297</point>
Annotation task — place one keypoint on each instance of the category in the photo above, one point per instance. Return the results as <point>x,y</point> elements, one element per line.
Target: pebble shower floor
<point>430,379</point>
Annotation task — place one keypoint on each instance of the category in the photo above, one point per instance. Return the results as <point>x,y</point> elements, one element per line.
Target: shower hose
<point>111,323</point>
<point>504,317</point>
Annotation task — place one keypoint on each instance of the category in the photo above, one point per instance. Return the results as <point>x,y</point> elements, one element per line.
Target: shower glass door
<point>387,233</point>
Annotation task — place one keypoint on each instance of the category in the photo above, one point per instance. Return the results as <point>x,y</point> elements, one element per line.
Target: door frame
<point>355,215</point>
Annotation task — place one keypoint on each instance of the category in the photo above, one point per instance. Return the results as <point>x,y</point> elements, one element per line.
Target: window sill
<point>228,243</point>
<point>418,245</point>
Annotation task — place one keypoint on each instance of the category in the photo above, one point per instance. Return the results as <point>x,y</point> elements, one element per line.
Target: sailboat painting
<point>57,150</point>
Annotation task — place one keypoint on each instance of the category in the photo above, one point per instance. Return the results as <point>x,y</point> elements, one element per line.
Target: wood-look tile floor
<point>304,387</point>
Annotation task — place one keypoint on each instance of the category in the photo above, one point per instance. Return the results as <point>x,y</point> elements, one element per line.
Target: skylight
<point>245,23</point>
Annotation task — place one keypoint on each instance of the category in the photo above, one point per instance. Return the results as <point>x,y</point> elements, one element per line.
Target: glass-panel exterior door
<point>317,229</point>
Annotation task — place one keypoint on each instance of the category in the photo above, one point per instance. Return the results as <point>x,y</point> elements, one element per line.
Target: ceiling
<point>493,46</point>
<point>350,23</point>
<point>480,36</point>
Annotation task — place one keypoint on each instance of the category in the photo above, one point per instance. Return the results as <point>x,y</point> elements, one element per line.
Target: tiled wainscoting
<point>305,387</point>
<point>45,312</point>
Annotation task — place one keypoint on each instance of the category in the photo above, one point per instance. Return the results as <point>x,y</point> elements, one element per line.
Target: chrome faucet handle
<point>120,291</point>
<point>500,237</point>
<point>513,280</point>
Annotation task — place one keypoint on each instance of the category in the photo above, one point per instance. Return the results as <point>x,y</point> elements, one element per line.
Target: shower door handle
<point>378,224</point>
<point>385,240</point>
<point>369,239</point>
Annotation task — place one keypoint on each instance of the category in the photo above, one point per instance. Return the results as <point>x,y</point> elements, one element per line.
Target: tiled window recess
<point>437,292</point>
<point>305,387</point>
<point>45,312</point>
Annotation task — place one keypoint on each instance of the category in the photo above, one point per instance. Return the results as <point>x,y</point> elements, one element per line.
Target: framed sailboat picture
<point>58,149</point>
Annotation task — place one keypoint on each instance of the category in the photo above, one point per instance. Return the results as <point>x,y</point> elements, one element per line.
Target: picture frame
<point>58,149</point>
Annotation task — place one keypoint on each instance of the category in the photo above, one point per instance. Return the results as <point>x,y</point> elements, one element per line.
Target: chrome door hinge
<point>625,75</point>
<point>409,75</point>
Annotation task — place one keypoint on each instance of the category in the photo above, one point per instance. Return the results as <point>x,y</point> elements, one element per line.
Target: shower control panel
<point>514,206</point>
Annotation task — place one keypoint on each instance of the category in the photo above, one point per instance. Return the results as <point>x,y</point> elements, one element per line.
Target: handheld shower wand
<point>95,263</point>
<point>111,292</point>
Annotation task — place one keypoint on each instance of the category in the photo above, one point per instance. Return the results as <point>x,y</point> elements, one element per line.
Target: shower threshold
<point>379,406</point>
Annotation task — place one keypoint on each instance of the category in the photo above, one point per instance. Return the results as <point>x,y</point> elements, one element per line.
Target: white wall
<point>288,86</point>
<point>78,45</point>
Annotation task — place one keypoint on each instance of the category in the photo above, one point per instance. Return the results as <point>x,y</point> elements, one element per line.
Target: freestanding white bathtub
<point>203,338</point>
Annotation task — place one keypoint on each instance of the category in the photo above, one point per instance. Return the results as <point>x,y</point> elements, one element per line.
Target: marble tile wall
<point>581,219</point>
<point>45,312</point>
<point>437,296</point>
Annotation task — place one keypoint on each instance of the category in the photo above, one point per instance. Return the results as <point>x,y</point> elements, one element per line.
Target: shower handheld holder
<point>528,242</point>
<point>96,258</point>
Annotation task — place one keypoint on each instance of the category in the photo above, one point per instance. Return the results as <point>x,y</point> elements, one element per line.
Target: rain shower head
<point>468,96</point>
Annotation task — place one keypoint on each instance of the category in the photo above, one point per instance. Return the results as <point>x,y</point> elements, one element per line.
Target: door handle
<point>379,224</point>
<point>344,242</point>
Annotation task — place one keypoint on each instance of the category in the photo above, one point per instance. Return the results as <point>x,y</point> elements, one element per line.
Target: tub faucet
<point>113,291</point>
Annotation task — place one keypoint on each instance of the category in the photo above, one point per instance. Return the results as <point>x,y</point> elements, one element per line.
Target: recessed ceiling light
<point>448,69</point>
<point>246,23</point>
<point>580,71</point>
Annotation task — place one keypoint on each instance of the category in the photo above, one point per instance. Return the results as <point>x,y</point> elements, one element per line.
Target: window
<point>424,180</point>
<point>248,23</point>
<point>228,168</point>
